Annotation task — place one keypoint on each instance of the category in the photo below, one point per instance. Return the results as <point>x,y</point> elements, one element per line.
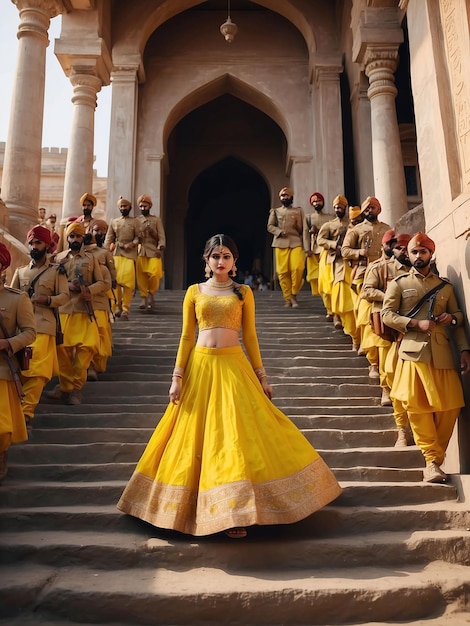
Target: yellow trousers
<point>100,359</point>
<point>313,265</point>
<point>400,415</point>
<point>125,278</point>
<point>81,343</point>
<point>290,265</point>
<point>43,366</point>
<point>12,424</point>
<point>149,273</point>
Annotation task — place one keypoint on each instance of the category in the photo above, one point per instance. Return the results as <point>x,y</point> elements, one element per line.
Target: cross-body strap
<point>427,296</point>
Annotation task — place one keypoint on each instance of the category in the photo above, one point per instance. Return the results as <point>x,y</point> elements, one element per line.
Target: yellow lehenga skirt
<point>225,456</point>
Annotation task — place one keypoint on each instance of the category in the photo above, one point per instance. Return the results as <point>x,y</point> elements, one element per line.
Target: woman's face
<point>221,260</point>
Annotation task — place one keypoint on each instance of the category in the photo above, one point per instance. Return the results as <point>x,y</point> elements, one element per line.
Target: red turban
<point>316,196</point>
<point>39,232</point>
<point>403,239</point>
<point>388,236</point>
<point>423,241</point>
<point>5,256</point>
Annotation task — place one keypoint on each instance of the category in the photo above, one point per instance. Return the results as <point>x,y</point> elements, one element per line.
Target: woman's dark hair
<point>228,242</point>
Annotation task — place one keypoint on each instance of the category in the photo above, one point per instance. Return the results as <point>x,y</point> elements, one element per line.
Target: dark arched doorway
<point>232,198</point>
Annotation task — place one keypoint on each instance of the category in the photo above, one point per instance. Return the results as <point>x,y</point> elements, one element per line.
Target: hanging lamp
<point>228,28</point>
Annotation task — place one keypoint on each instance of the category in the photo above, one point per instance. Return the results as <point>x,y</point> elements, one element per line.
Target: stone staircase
<point>390,549</point>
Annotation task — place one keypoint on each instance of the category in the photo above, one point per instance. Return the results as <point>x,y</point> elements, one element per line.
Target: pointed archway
<point>229,197</point>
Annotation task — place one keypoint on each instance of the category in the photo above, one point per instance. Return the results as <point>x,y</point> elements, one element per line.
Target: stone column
<point>330,128</point>
<point>389,174</point>
<point>79,167</point>
<point>122,143</point>
<point>22,164</point>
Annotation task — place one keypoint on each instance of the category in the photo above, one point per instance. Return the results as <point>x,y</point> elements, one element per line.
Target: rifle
<point>16,375</point>
<point>83,288</point>
<point>340,239</point>
<point>432,304</point>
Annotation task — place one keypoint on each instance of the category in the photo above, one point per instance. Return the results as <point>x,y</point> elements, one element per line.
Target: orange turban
<point>39,232</point>
<point>100,223</point>
<point>88,196</point>
<point>403,239</point>
<point>144,198</point>
<point>75,227</point>
<point>288,191</point>
<point>354,211</point>
<point>316,196</point>
<point>5,256</point>
<point>340,201</point>
<point>370,201</point>
<point>123,202</point>
<point>423,241</point>
<point>388,236</point>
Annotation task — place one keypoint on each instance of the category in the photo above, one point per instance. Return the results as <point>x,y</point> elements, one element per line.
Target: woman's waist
<point>218,337</point>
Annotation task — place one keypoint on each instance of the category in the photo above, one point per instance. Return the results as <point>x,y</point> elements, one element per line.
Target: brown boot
<point>75,397</point>
<point>92,374</point>
<point>432,473</point>
<point>385,399</point>
<point>57,394</point>
<point>337,323</point>
<point>401,441</point>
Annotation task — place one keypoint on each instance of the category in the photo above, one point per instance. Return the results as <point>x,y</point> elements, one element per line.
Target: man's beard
<point>370,217</point>
<point>318,208</point>
<point>146,213</point>
<point>388,253</point>
<point>340,214</point>
<point>403,259</point>
<point>75,245</point>
<point>125,212</point>
<point>87,212</point>
<point>419,263</point>
<point>36,255</point>
<point>287,203</point>
<point>99,240</point>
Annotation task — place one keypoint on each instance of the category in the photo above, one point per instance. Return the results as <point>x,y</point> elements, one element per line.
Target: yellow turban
<point>288,191</point>
<point>340,201</point>
<point>370,201</point>
<point>354,211</point>
<point>123,202</point>
<point>144,198</point>
<point>89,197</point>
<point>75,227</point>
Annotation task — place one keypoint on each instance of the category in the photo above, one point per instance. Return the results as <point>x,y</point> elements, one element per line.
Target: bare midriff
<point>218,338</point>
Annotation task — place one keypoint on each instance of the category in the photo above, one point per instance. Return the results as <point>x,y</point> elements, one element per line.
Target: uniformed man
<point>46,284</point>
<point>78,320</point>
<point>422,306</point>
<point>123,238</point>
<point>41,216</point>
<point>88,203</point>
<point>363,243</point>
<point>17,330</point>
<point>331,238</point>
<point>149,259</point>
<point>314,222</point>
<point>291,244</point>
<point>102,301</point>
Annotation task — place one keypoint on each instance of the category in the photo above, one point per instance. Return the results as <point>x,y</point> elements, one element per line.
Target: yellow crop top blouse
<point>206,312</point>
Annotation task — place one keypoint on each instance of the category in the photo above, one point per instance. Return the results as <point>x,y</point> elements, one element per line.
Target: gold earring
<point>207,271</point>
<point>234,271</point>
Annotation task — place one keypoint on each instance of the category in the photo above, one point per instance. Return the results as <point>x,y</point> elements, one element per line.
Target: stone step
<point>337,596</point>
<point>122,471</point>
<point>152,549</point>
<point>332,520</point>
<point>16,494</point>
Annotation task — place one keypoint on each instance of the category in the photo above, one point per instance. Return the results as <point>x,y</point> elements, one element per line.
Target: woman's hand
<point>268,390</point>
<point>175,390</point>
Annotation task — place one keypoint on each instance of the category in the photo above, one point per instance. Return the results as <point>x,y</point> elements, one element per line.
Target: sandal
<point>236,533</point>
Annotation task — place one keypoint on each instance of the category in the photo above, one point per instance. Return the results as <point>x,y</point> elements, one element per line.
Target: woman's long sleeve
<point>250,338</point>
<point>188,331</point>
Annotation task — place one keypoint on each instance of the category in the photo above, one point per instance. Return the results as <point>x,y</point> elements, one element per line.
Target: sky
<point>58,108</point>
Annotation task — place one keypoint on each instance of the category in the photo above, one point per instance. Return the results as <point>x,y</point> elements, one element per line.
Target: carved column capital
<point>35,16</point>
<point>51,8</point>
<point>85,86</point>
<point>380,64</point>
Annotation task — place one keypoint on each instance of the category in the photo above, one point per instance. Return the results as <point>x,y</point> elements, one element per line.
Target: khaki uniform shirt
<point>377,278</point>
<point>106,261</point>
<point>18,318</point>
<point>123,230</point>
<point>314,222</point>
<point>402,294</point>
<point>50,283</point>
<point>331,233</point>
<point>90,268</point>
<point>150,246</point>
<point>292,221</point>
<point>364,235</point>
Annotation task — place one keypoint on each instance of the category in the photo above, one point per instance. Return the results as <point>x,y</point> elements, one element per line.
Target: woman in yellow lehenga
<point>223,457</point>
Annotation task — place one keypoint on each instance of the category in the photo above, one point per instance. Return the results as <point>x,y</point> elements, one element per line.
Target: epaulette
<point>402,276</point>
<point>13,290</point>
